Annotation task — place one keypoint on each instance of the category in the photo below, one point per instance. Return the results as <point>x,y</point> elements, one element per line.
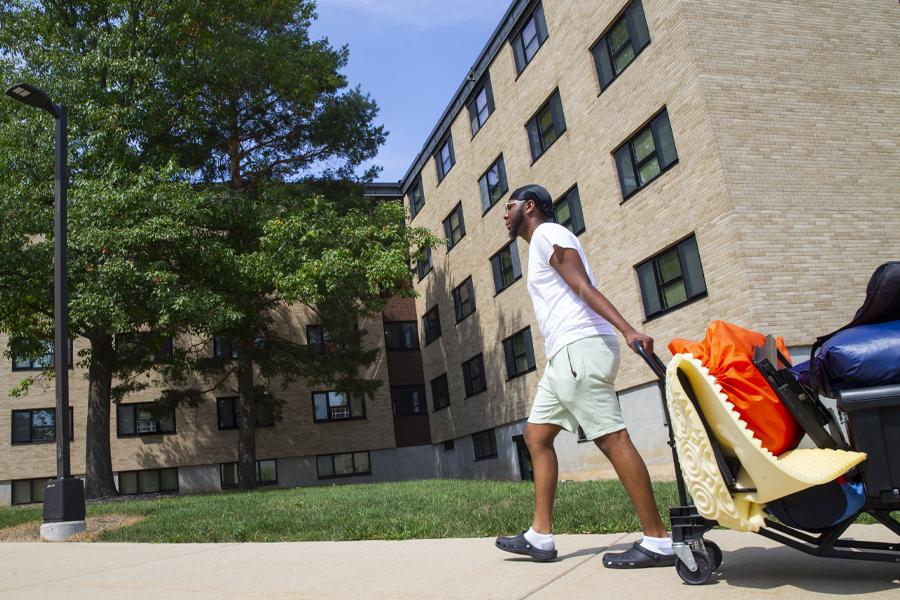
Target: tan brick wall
<point>728,187</point>
<point>197,439</point>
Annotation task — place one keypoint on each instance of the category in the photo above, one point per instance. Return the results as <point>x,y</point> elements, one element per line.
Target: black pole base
<point>64,500</point>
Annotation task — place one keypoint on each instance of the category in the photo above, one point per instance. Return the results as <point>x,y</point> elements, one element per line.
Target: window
<point>444,158</point>
<point>464,299</point>
<point>227,412</point>
<point>506,267</point>
<point>45,360</point>
<point>431,323</point>
<point>621,43</point>
<point>37,425</point>
<point>266,473</point>
<point>337,406</point>
<point>316,335</point>
<point>519,353</point>
<point>28,491</point>
<point>449,445</point>
<point>440,392</point>
<point>143,419</point>
<point>150,481</point>
<point>144,345</point>
<point>493,184</point>
<point>646,155</point>
<point>547,125</point>
<point>401,335</point>
<point>485,443</point>
<point>530,38</point>
<point>567,212</point>
<point>481,107</point>
<point>454,227</point>
<point>348,464</point>
<point>424,264</point>
<point>416,198</point>
<point>473,375</point>
<point>408,399</point>
<point>222,348</point>
<point>671,278</point>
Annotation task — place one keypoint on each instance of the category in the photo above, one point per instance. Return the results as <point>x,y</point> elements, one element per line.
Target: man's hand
<point>645,340</point>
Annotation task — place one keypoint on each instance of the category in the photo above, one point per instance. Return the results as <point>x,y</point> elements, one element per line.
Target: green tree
<point>194,128</point>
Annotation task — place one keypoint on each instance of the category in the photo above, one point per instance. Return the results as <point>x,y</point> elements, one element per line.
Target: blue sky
<point>410,56</point>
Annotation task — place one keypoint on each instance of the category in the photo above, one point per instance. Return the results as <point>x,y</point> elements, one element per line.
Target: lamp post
<point>63,496</point>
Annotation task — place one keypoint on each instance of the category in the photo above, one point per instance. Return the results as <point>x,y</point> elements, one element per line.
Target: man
<point>577,387</point>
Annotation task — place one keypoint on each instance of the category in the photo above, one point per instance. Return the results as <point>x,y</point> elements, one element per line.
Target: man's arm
<point>568,264</point>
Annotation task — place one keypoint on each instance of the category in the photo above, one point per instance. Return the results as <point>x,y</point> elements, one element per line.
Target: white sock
<point>541,541</point>
<point>658,545</point>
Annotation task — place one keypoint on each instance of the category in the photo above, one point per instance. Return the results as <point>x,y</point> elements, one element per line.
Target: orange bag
<point>727,352</point>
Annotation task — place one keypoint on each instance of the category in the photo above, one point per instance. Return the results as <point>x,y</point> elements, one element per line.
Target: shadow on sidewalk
<point>771,568</point>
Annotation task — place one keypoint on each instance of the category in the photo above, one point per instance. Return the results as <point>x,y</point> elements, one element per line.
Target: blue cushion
<point>863,356</point>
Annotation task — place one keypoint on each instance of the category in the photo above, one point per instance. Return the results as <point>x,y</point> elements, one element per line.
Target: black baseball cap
<point>539,195</point>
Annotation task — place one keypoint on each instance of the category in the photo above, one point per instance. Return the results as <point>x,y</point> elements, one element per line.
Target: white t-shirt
<point>562,316</point>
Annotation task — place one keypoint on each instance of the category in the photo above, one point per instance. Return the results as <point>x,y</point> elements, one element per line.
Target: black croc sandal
<point>637,557</point>
<point>519,545</point>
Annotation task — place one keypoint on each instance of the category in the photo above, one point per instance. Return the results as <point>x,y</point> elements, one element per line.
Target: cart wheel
<point>701,575</point>
<point>715,554</point>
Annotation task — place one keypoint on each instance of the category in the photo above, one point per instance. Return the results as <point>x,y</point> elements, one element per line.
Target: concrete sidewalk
<point>470,569</point>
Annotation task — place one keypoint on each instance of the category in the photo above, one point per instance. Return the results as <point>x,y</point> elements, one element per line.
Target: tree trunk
<point>246,421</point>
<point>98,473</point>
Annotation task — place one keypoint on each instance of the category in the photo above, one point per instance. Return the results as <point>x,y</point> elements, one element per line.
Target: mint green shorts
<point>578,388</point>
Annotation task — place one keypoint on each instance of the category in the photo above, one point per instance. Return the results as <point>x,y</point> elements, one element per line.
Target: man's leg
<point>538,542</point>
<point>633,474</point>
<point>539,439</point>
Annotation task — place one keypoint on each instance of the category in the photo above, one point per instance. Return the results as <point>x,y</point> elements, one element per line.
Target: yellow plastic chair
<point>763,476</point>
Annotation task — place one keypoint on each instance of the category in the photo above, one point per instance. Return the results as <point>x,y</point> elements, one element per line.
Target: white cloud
<point>422,14</point>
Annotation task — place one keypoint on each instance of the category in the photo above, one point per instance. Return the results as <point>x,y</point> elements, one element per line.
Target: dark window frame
<point>424,266</point>
<point>220,402</point>
<point>31,437</point>
<point>476,122</point>
<point>222,348</point>
<point>441,381</point>
<point>355,473</point>
<point>442,169</point>
<point>431,325</point>
<point>518,42</point>
<point>259,480</point>
<point>578,226</point>
<point>450,231</point>
<point>535,131</point>
<point>511,356</point>
<point>416,198</point>
<point>135,406</point>
<point>488,435</point>
<point>652,124</point>
<point>165,350</point>
<point>49,357</point>
<point>33,483</point>
<point>350,400</point>
<point>411,326</point>
<point>458,304</point>
<point>138,481</point>
<point>469,380</point>
<point>695,293</point>
<point>403,406</point>
<point>638,40</point>
<point>324,342</point>
<point>498,270</point>
<point>485,188</point>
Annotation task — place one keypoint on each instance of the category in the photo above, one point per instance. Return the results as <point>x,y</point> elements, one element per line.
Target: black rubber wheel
<point>715,554</point>
<point>701,575</point>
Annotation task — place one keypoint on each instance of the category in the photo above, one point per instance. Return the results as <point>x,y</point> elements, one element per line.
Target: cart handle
<point>652,360</point>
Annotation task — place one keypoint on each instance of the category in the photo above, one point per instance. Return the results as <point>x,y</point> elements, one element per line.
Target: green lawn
<point>394,511</point>
<point>384,511</point>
